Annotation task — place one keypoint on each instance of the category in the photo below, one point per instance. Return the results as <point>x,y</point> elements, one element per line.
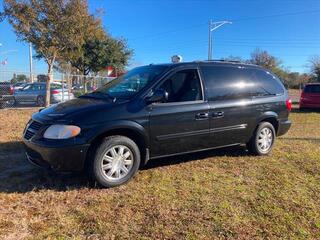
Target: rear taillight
<point>11,91</point>
<point>55,92</point>
<point>289,104</point>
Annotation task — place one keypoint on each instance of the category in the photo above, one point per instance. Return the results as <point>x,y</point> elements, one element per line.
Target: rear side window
<point>312,89</point>
<point>235,82</point>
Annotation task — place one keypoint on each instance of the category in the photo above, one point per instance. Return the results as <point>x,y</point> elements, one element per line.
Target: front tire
<point>11,103</point>
<point>263,139</point>
<point>40,101</point>
<point>116,161</point>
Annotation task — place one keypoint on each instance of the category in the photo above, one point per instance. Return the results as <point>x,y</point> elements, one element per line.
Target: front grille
<point>35,125</point>
<point>32,129</point>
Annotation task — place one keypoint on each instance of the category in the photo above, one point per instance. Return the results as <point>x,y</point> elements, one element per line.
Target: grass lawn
<point>221,194</point>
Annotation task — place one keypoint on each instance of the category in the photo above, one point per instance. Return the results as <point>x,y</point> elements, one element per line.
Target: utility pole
<point>30,62</point>
<point>213,26</point>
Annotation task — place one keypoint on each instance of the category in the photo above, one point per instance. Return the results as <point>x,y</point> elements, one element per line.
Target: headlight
<point>61,132</point>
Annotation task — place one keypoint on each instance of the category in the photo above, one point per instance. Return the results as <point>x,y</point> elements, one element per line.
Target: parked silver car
<point>36,93</point>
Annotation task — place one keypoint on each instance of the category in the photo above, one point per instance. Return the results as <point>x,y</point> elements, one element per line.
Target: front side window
<point>130,83</point>
<point>28,87</point>
<point>183,86</point>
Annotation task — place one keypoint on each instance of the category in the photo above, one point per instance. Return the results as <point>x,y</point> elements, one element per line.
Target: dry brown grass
<point>222,194</point>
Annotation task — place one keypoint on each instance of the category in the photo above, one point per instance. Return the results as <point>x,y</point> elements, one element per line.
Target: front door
<point>24,94</point>
<point>181,123</point>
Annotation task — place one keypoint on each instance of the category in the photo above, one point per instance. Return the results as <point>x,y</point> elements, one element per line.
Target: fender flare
<point>268,114</point>
<point>121,125</point>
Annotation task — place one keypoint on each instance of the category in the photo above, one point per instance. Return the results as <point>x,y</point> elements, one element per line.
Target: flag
<point>109,70</point>
<point>4,62</point>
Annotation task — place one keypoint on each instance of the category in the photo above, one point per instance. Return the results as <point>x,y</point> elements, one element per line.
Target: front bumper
<point>56,156</point>
<point>284,127</point>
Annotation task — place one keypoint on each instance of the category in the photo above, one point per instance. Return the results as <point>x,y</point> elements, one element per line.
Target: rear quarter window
<point>265,82</point>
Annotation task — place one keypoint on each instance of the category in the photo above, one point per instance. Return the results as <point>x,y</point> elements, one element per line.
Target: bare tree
<point>315,67</point>
<point>264,59</point>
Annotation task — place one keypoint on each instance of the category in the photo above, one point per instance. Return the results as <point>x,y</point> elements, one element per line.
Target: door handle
<point>202,116</point>
<point>218,114</point>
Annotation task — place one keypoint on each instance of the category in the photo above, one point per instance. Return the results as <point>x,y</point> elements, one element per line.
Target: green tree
<point>42,78</point>
<point>98,51</point>
<point>51,26</point>
<point>18,78</point>
<point>98,54</point>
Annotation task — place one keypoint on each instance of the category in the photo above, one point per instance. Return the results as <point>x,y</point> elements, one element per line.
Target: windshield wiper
<point>97,93</point>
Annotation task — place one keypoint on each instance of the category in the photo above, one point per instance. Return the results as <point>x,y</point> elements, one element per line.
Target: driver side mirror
<point>159,95</point>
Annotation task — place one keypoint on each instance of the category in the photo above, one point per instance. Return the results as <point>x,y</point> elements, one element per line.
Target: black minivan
<point>156,111</point>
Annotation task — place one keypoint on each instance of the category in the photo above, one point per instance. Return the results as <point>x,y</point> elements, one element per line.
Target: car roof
<point>312,84</point>
<point>207,62</point>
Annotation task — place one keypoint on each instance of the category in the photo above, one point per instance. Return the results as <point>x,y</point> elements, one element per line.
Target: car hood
<point>69,109</point>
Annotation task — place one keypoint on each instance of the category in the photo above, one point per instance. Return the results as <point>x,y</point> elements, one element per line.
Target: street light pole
<point>213,26</point>
<point>30,62</point>
<point>210,41</point>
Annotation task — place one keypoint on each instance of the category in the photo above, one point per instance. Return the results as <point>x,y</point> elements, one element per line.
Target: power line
<point>277,15</point>
<point>234,20</point>
<point>168,32</point>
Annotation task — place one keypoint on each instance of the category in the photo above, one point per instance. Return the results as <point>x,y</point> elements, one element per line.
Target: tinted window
<point>183,86</point>
<point>312,89</point>
<point>232,82</point>
<point>224,82</point>
<point>265,83</point>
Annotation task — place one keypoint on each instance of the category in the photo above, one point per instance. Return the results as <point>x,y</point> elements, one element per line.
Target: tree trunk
<point>49,80</point>
<point>69,85</point>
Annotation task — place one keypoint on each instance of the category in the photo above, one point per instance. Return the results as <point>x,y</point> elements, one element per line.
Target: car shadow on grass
<point>311,110</point>
<point>315,140</point>
<point>17,175</point>
<point>234,151</point>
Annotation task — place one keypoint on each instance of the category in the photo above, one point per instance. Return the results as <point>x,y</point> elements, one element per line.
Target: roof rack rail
<point>223,60</point>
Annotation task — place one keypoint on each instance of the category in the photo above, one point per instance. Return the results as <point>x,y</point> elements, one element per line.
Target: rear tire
<point>116,161</point>
<point>40,101</point>
<point>263,139</point>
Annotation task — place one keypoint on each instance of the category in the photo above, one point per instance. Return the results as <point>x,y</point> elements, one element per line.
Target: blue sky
<point>156,30</point>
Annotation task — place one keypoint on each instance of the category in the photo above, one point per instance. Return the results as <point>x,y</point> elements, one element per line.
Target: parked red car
<point>310,96</point>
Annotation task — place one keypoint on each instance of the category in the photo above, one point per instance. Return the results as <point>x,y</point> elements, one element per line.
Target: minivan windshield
<point>131,83</point>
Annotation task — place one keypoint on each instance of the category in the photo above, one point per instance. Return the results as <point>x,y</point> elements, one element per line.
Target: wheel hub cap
<point>265,139</point>
<point>117,162</point>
